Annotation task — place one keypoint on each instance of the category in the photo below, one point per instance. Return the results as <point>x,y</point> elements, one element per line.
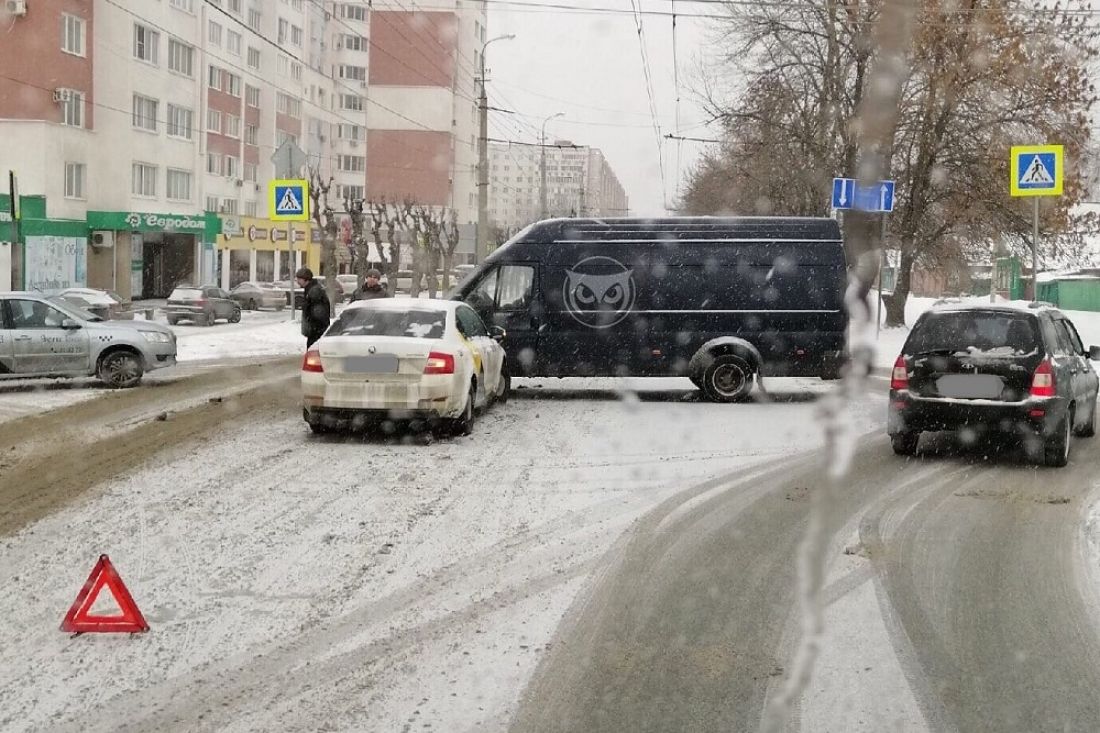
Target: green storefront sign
<point>207,225</point>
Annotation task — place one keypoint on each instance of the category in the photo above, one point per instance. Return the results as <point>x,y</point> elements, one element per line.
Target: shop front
<point>259,250</point>
<point>48,254</point>
<point>146,255</point>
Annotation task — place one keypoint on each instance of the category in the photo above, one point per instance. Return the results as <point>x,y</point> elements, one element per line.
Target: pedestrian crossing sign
<point>1036,170</point>
<point>288,200</point>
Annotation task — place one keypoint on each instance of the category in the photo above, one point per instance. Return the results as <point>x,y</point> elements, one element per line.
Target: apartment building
<point>422,111</point>
<point>154,123</point>
<point>579,182</point>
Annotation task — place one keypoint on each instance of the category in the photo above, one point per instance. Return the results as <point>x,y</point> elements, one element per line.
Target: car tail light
<point>899,378</point>
<point>1042,382</point>
<point>200,301</point>
<point>312,361</point>
<point>440,363</point>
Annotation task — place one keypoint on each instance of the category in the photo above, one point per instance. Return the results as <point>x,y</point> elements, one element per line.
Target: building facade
<point>579,182</point>
<point>155,123</point>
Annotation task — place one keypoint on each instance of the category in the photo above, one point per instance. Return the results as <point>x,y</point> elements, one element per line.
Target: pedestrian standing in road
<point>372,288</point>
<point>316,310</point>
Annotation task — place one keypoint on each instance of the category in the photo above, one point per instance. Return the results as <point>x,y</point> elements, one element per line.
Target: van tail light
<point>1042,382</point>
<point>899,377</point>
<point>439,363</point>
<point>312,361</point>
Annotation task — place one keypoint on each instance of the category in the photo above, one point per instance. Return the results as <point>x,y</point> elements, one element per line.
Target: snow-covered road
<point>362,583</point>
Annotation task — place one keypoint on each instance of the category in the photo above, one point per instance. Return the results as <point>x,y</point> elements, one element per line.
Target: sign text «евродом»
<point>162,222</point>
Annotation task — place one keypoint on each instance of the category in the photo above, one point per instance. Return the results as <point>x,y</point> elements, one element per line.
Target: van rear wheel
<point>728,378</point>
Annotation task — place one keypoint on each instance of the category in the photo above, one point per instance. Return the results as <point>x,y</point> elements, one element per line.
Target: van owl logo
<point>599,292</point>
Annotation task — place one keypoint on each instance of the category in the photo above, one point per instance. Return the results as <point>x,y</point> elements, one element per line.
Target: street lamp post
<point>482,247</point>
<point>542,165</point>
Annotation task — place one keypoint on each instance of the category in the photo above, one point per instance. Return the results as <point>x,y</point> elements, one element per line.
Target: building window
<point>282,65</point>
<point>295,71</point>
<point>296,4</point>
<point>232,126</point>
<point>351,101</point>
<point>358,73</point>
<point>252,96</point>
<point>72,34</point>
<point>251,135</point>
<point>214,164</point>
<point>352,193</point>
<point>288,105</point>
<point>180,57</point>
<point>250,172</point>
<point>284,30</point>
<point>281,136</point>
<point>353,12</point>
<point>250,208</point>
<point>254,19</point>
<point>145,43</point>
<point>144,180</point>
<point>213,121</point>
<point>214,33</point>
<point>353,43</point>
<point>179,122</point>
<point>179,185</point>
<point>188,5</point>
<point>296,36</point>
<point>254,57</point>
<point>74,180</point>
<point>233,42</point>
<point>234,85</point>
<point>232,166</point>
<point>72,109</point>
<point>350,132</point>
<point>215,78</point>
<point>352,163</point>
<point>144,115</point>
<point>211,203</point>
<point>229,206</point>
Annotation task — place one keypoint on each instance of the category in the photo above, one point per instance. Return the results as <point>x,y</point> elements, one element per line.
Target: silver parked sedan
<point>48,337</point>
<point>253,296</point>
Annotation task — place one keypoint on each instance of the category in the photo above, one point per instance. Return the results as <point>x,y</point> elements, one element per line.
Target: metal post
<point>1035,255</point>
<point>542,172</point>
<point>482,247</point>
<point>881,266</point>
<point>290,262</point>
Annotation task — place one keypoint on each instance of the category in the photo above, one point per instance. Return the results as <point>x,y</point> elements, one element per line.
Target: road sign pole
<point>1035,255</point>
<point>881,267</point>
<point>290,263</point>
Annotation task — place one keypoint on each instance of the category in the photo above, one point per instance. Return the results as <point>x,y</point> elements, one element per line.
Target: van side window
<point>483,297</point>
<point>514,293</point>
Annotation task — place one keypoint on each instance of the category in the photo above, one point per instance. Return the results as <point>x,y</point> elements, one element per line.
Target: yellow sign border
<point>297,182</point>
<point>1014,169</point>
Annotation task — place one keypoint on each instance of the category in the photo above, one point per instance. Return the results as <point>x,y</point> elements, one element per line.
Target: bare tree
<point>324,216</point>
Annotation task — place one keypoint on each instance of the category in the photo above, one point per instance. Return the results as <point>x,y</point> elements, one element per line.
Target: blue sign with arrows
<point>849,194</point>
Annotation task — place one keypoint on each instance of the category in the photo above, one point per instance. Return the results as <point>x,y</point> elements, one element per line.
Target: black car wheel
<point>209,319</point>
<point>252,306</point>
<point>1056,448</point>
<point>464,425</point>
<point>120,369</point>
<point>172,320</point>
<point>905,444</point>
<point>235,316</point>
<point>727,378</point>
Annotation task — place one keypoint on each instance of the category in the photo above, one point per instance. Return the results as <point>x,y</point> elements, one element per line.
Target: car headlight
<point>156,337</point>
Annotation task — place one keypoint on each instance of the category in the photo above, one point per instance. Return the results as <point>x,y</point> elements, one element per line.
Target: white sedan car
<point>398,358</point>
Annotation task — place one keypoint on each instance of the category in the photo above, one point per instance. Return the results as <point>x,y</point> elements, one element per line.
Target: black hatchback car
<point>1013,369</point>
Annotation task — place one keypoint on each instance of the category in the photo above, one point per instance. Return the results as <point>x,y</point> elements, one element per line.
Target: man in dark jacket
<point>315,306</point>
<point>373,288</point>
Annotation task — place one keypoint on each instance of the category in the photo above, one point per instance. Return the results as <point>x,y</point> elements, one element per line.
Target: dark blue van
<point>718,300</point>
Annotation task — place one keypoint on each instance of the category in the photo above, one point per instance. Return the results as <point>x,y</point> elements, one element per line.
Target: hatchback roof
<point>1013,307</point>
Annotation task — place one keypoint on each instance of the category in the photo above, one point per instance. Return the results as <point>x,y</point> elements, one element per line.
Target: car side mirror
<point>69,324</point>
<point>497,333</point>
<point>1094,353</point>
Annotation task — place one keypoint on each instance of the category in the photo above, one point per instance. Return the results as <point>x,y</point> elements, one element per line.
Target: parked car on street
<point>349,283</point>
<point>104,303</point>
<point>299,295</point>
<point>253,296</point>
<point>1003,368</point>
<point>202,306</point>
<point>48,337</point>
<point>403,359</point>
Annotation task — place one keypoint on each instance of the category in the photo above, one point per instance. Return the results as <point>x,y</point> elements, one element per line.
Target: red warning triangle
<point>79,619</point>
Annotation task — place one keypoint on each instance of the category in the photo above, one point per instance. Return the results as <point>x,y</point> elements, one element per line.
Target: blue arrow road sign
<point>848,194</point>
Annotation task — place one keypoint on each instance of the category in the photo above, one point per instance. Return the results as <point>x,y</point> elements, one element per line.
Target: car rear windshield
<point>373,322</point>
<point>974,332</point>
<point>186,294</point>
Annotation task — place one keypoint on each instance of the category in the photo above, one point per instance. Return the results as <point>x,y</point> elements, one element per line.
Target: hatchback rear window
<point>974,332</point>
<point>374,322</point>
<point>186,294</point>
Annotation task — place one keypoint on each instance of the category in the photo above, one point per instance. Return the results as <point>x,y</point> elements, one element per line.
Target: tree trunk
<point>895,303</point>
<point>448,263</point>
<point>328,265</point>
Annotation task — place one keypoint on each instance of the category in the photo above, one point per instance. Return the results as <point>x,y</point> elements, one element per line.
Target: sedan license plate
<point>372,364</point>
<point>970,386</point>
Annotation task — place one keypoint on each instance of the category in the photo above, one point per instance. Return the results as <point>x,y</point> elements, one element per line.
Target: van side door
<point>508,296</point>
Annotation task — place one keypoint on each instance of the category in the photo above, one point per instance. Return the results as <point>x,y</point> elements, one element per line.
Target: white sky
<point>589,66</point>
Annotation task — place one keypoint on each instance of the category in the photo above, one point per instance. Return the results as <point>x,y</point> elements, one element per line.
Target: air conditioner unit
<point>16,7</point>
<point>240,183</point>
<point>60,95</point>
<point>102,240</point>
